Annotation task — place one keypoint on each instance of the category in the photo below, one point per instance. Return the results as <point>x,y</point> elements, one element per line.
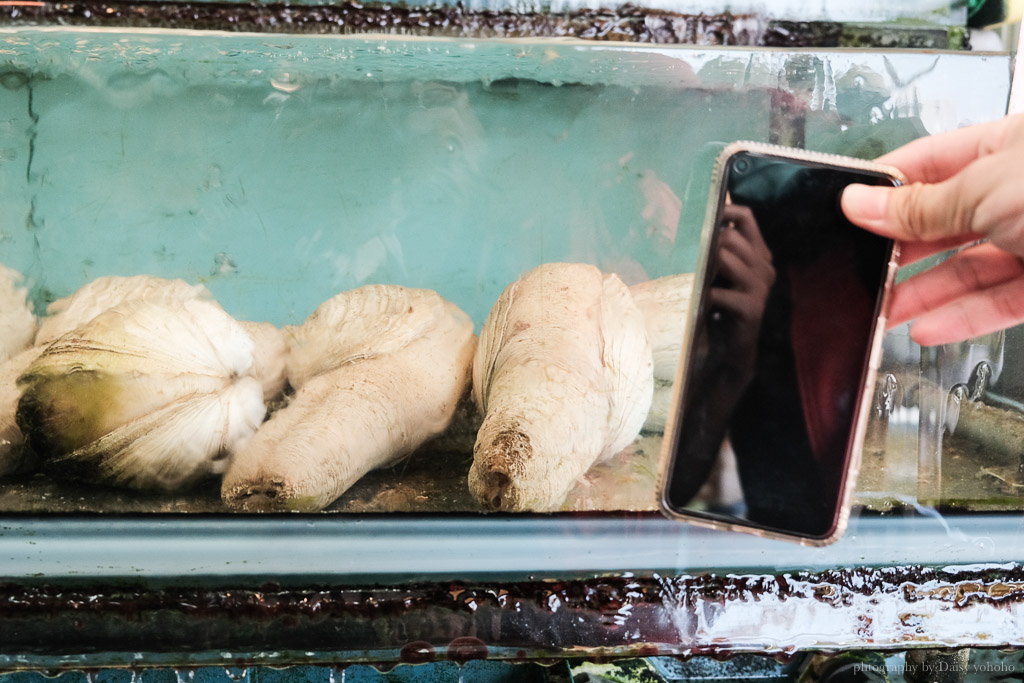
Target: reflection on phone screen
<point>779,351</point>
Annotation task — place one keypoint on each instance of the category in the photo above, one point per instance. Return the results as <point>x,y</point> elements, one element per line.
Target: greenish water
<point>279,170</point>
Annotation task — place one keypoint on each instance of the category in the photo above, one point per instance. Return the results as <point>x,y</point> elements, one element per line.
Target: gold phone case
<point>860,417</point>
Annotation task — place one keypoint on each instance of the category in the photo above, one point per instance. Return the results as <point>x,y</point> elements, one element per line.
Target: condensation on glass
<point>280,171</point>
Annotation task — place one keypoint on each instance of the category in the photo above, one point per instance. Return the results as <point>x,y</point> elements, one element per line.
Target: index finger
<point>935,158</point>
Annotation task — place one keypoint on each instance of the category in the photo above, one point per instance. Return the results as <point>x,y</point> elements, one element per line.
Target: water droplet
<point>417,652</point>
<point>465,648</point>
<point>285,82</point>
<point>887,395</point>
<point>981,377</point>
<point>957,396</point>
<point>13,80</point>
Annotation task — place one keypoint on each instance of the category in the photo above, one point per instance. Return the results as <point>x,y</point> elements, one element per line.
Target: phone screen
<point>777,362</point>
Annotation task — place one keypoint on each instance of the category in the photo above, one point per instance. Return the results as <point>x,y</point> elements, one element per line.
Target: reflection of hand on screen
<point>738,295</point>
<point>743,277</point>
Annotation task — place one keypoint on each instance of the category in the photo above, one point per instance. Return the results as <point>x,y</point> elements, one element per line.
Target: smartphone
<point>777,370</point>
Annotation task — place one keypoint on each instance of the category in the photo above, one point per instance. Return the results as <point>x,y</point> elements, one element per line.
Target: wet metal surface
<point>625,23</point>
<point>686,616</point>
<point>437,672</point>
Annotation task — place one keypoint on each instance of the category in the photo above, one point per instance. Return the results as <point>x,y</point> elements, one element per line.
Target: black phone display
<point>776,370</point>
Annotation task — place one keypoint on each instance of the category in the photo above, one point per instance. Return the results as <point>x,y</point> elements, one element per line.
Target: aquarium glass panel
<point>421,187</point>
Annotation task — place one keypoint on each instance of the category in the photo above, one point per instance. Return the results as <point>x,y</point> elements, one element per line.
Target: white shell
<point>181,442</point>
<point>563,375</point>
<point>363,323</point>
<point>17,323</point>
<point>103,293</point>
<point>665,304</point>
<point>144,395</point>
<point>64,316</point>
<point>269,357</point>
<point>378,371</point>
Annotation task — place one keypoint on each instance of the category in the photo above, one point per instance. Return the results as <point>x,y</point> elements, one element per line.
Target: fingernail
<point>865,205</point>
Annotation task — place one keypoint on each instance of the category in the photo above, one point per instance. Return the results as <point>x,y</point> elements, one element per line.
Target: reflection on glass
<point>781,341</point>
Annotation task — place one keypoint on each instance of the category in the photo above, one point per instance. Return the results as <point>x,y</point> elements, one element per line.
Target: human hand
<point>965,185</point>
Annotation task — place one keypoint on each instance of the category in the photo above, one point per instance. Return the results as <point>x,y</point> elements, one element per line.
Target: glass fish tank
<point>262,197</point>
<point>408,308</point>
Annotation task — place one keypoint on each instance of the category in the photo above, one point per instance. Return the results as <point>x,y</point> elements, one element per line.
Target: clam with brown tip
<point>563,376</point>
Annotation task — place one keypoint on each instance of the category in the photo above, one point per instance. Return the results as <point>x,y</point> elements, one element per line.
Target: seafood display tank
<point>282,299</point>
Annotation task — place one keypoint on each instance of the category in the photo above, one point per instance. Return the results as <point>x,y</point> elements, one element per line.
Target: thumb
<point>910,213</point>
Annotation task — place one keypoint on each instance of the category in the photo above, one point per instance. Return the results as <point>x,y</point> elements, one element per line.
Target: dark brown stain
<point>624,23</point>
<point>417,652</point>
<point>415,621</point>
